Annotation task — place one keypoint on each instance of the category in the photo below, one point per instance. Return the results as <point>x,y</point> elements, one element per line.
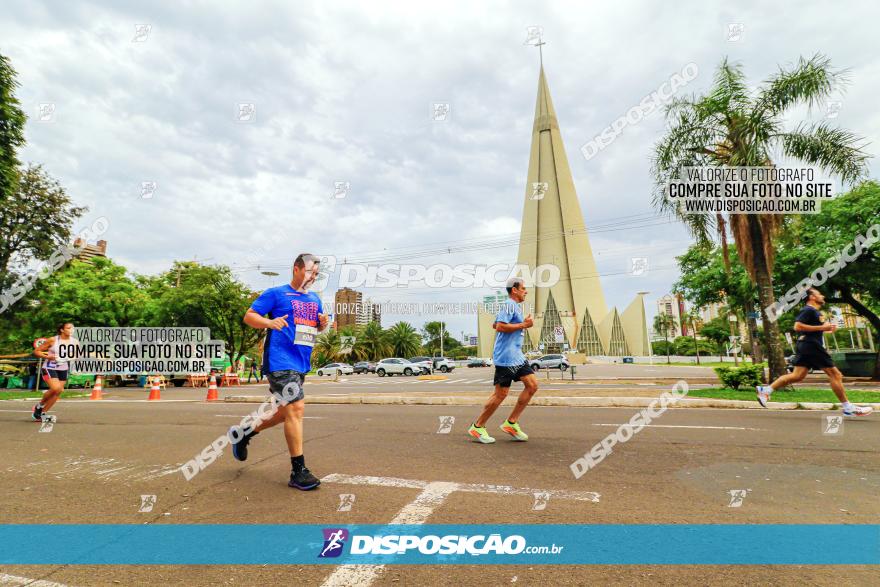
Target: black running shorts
<point>504,376</point>
<point>811,355</point>
<point>287,385</point>
<point>60,374</point>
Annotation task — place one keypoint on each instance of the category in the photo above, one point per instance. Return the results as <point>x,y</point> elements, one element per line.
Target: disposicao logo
<point>334,541</point>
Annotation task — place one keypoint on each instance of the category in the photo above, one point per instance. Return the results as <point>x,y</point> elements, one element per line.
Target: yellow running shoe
<point>514,430</point>
<point>480,434</point>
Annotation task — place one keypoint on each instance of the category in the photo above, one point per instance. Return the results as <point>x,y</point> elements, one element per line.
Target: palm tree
<point>730,126</point>
<point>665,323</point>
<point>327,347</point>
<point>404,340</point>
<point>372,344</point>
<point>690,319</point>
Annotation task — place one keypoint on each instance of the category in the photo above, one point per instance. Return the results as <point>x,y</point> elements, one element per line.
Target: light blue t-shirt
<point>291,347</point>
<point>508,345</point>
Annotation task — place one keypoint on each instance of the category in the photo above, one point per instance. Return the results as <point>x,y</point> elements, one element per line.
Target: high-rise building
<point>570,314</point>
<point>88,252</point>
<point>347,307</point>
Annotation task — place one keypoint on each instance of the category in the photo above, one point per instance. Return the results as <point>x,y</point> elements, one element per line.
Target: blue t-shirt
<point>508,345</point>
<point>811,317</point>
<point>290,347</point>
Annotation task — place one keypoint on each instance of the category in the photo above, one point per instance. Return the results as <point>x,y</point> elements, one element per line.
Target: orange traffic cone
<point>97,390</point>
<point>212,390</point>
<point>154,390</point>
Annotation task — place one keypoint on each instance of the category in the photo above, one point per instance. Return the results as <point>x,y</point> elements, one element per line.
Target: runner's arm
<point>801,327</point>
<point>505,327</point>
<point>43,350</point>
<point>254,320</point>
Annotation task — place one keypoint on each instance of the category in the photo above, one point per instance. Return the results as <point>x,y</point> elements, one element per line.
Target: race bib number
<point>305,335</point>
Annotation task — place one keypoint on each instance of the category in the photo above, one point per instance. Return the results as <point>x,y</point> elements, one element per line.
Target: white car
<point>396,366</point>
<point>550,362</point>
<point>336,369</point>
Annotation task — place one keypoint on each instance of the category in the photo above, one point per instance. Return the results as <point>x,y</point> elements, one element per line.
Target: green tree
<point>716,330</point>
<point>732,126</point>
<point>374,342</point>
<point>690,321</point>
<point>328,348</point>
<point>665,324</point>
<point>208,296</point>
<point>12,120</point>
<point>811,240</point>
<point>34,223</point>
<point>403,340</point>
<point>431,338</point>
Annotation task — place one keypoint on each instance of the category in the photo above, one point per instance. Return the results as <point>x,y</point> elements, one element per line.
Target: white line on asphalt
<point>16,581</point>
<point>417,512</point>
<point>699,427</point>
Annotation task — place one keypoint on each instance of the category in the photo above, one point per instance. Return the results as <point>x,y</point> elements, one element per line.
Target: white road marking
<point>699,427</point>
<point>417,512</point>
<point>16,581</point>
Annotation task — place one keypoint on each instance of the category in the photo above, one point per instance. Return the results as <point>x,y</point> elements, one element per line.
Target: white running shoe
<point>764,392</point>
<point>858,411</point>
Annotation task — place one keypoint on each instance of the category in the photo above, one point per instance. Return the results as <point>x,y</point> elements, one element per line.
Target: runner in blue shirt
<point>510,365</point>
<point>295,318</point>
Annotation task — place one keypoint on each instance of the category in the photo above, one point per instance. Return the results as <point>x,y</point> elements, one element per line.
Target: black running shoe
<point>303,480</point>
<point>239,449</point>
<point>37,414</point>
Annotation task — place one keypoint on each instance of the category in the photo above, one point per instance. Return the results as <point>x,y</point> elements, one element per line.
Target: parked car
<point>364,367</point>
<point>551,362</point>
<point>426,364</point>
<point>443,364</point>
<point>478,363</point>
<point>396,366</point>
<point>336,368</point>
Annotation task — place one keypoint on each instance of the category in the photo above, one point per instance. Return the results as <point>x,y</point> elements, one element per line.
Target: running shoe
<point>37,414</point>
<point>303,480</point>
<point>239,449</point>
<point>764,392</point>
<point>515,431</point>
<point>480,434</point>
<point>858,411</point>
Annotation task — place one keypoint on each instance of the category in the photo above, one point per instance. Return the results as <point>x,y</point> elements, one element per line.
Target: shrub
<point>736,377</point>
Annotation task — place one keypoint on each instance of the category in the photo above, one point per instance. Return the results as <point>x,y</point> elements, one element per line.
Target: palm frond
<point>834,149</point>
<point>811,81</point>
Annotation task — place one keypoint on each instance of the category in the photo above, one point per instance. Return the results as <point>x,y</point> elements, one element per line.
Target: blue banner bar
<point>256,544</point>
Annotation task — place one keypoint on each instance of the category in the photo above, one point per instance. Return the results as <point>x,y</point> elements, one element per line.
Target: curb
<point>558,401</point>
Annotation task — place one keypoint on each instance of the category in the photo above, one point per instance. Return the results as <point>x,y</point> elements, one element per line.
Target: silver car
<point>550,362</point>
<point>396,366</point>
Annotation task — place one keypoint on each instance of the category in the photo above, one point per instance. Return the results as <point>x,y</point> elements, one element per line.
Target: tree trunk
<point>752,326</point>
<point>696,345</point>
<point>764,279</point>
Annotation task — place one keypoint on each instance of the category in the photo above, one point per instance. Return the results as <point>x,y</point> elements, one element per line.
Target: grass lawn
<point>797,395</point>
<point>4,394</point>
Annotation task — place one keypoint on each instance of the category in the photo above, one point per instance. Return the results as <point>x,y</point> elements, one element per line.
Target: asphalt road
<point>102,456</point>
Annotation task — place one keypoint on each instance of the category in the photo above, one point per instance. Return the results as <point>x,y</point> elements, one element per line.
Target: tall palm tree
<point>734,127</point>
<point>665,323</point>
<point>404,340</point>
<point>690,319</point>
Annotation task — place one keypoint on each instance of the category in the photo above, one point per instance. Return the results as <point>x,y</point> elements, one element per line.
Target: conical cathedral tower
<point>553,233</point>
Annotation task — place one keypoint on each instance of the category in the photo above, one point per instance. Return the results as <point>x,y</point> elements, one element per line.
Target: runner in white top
<point>56,369</point>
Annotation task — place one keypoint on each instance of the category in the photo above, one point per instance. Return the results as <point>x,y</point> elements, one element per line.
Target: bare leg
<point>836,378</point>
<point>491,405</point>
<point>795,376</point>
<point>276,418</point>
<point>531,387</point>
<point>293,426</point>
<point>56,386</point>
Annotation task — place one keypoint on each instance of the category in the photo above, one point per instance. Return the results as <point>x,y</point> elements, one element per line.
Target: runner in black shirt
<point>811,354</point>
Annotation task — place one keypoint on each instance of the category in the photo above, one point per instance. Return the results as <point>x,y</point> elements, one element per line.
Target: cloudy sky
<point>344,91</point>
